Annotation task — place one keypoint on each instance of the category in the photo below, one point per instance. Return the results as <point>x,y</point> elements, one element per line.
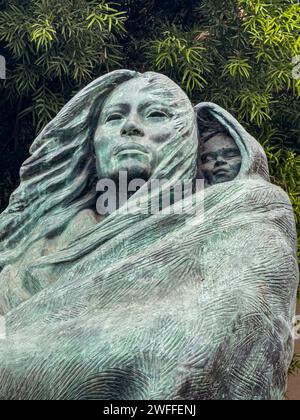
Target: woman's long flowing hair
<point>59,178</point>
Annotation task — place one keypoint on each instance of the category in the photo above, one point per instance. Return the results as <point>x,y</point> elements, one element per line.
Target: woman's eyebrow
<point>147,104</point>
<point>119,106</point>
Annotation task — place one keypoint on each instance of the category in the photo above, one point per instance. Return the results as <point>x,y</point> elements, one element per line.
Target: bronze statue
<point>172,305</point>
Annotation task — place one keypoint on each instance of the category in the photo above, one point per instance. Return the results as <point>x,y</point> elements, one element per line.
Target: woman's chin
<point>134,169</point>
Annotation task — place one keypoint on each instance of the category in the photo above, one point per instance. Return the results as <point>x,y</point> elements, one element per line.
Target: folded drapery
<point>191,305</point>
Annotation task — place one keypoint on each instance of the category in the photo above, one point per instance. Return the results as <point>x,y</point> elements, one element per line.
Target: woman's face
<point>132,129</point>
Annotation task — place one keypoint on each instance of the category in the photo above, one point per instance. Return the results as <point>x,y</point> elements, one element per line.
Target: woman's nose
<point>132,128</point>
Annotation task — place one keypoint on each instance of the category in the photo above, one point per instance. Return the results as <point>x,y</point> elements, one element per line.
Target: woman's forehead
<point>142,89</point>
<point>131,92</point>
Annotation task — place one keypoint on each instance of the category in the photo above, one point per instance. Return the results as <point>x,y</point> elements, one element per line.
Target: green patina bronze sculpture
<point>194,304</point>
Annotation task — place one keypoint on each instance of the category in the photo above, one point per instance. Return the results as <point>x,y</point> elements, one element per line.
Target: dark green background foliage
<point>236,53</point>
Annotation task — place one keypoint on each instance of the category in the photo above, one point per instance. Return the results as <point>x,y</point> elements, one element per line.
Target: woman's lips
<point>130,152</point>
<point>130,149</point>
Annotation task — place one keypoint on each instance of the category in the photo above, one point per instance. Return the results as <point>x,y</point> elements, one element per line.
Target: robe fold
<point>197,305</point>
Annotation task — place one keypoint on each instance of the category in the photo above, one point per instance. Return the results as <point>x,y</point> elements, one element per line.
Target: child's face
<point>220,159</point>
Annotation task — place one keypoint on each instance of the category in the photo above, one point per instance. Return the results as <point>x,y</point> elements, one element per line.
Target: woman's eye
<point>114,117</point>
<point>157,114</point>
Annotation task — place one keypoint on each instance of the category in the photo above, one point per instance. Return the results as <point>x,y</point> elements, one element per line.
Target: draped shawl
<point>197,305</point>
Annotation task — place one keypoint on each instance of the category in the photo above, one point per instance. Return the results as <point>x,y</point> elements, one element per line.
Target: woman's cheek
<point>161,136</point>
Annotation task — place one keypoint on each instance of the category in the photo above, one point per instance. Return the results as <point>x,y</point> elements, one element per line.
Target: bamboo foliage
<point>55,48</point>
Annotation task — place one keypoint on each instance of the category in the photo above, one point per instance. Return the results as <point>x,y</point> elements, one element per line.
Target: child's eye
<point>207,158</point>
<point>232,154</point>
